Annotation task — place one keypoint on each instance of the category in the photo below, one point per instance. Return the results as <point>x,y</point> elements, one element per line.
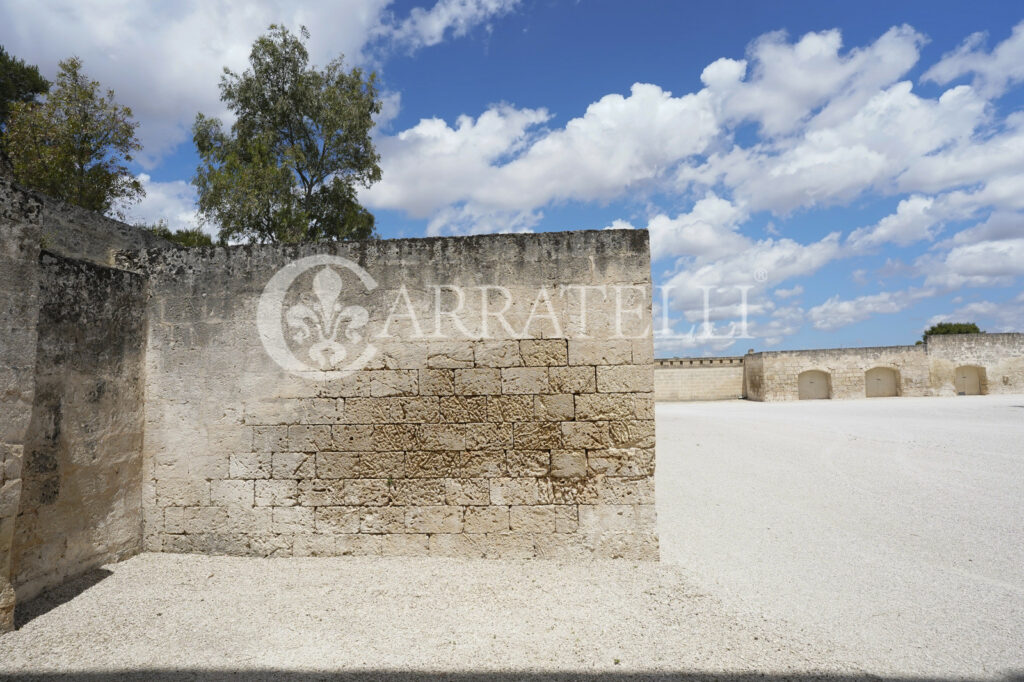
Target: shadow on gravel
<point>54,597</point>
<point>414,676</point>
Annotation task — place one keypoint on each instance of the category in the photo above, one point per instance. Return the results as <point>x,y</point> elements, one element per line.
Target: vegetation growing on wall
<point>950,328</point>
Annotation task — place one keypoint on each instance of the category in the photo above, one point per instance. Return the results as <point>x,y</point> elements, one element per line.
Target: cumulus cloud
<point>173,202</point>
<point>993,72</point>
<point>447,18</point>
<point>836,312</point>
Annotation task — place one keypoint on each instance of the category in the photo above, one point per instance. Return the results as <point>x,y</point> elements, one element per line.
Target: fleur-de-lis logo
<point>325,331</point>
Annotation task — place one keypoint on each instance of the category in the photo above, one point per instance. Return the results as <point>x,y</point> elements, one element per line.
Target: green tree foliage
<point>190,237</point>
<point>951,328</point>
<point>19,82</point>
<point>288,169</point>
<point>74,146</point>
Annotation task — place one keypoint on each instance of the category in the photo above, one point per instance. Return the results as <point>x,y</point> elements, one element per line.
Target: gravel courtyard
<point>856,539</point>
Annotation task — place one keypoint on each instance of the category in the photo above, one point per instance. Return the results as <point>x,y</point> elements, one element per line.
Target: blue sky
<point>856,168</point>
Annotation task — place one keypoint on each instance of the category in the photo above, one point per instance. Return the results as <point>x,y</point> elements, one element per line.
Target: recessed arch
<point>970,380</point>
<point>881,382</point>
<point>814,384</point>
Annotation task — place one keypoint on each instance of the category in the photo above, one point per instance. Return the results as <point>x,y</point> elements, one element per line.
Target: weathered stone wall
<point>19,260</point>
<point>923,370</point>
<point>82,470</point>
<point>682,379</point>
<point>475,435</point>
<point>1000,355</point>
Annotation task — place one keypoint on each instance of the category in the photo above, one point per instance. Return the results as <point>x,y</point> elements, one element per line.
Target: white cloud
<point>836,312</point>
<point>708,230</point>
<point>993,71</point>
<point>912,221</point>
<point>1005,316</point>
<point>789,293</point>
<point>173,202</point>
<point>447,18</point>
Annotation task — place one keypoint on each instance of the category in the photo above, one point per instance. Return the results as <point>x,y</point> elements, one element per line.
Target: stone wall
<point>1000,355</point>
<point>522,426</point>
<point>82,470</point>
<point>19,259</point>
<point>682,379</point>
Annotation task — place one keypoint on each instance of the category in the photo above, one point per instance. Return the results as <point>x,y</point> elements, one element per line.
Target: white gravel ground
<point>858,538</point>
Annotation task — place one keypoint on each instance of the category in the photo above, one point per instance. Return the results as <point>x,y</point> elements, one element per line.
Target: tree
<point>19,82</point>
<point>74,146</point>
<point>288,169</point>
<point>190,237</point>
<point>951,328</point>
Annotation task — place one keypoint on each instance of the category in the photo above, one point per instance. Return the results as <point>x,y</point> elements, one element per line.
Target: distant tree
<point>951,328</point>
<point>74,146</point>
<point>190,237</point>
<point>288,169</point>
<point>19,82</point>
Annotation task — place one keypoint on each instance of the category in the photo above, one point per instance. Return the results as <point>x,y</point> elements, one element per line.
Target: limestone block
<point>519,491</point>
<point>359,545</point>
<point>182,492</point>
<point>407,544</point>
<point>637,433</point>
<point>572,379</point>
<point>585,435</point>
<point>509,408</point>
<point>543,352</point>
<point>350,438</point>
<point>449,354</point>
<point>277,493</point>
<point>270,438</point>
<point>630,462</point>
<point>434,519</point>
<point>537,435</point>
<point>420,492</point>
<point>604,518</point>
<point>315,492</point>
<point>568,463</point>
<point>389,382</point>
<point>360,465</point>
<point>625,379</point>
<point>524,380</point>
<point>368,492</point>
<point>322,410</point>
<point>478,381</point>
<point>458,546</point>
<point>293,465</point>
<point>467,491</point>
<point>626,491</point>
<point>338,519</point>
<point>481,464</point>
<point>525,463</point>
<point>511,545</point>
<point>420,410</point>
<point>463,409</point>
<point>394,437</point>
<point>557,407</point>
<point>486,520</point>
<point>372,411</point>
<point>441,436</point>
<point>497,354</point>
<point>432,464</point>
<point>437,382</point>
<point>605,407</point>
<point>232,493</point>
<point>543,519</point>
<point>245,465</point>
<point>377,520</point>
<point>600,351</point>
<point>488,436</point>
<point>307,438</point>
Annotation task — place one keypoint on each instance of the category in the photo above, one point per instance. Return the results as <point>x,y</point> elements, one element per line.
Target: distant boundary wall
<point>958,364</point>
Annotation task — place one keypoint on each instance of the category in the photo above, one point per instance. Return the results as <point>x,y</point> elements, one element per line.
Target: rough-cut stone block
<point>478,381</point>
<point>572,379</point>
<point>458,546</point>
<point>568,463</point>
<point>543,352</point>
<point>232,493</point>
<point>338,519</point>
<point>368,492</point>
<point>467,491</point>
<point>605,407</point>
<point>437,382</point>
<point>307,438</point>
<point>527,462</point>
<point>293,465</point>
<point>360,464</point>
<point>510,545</point>
<point>497,354</point>
<point>394,437</point>
<point>378,520</point>
<point>391,382</point>
<point>606,518</point>
<point>372,411</point>
<point>629,462</point>
<point>442,436</point>
<point>182,492</point>
<point>509,408</point>
<point>600,351</point>
<point>292,520</point>
<point>481,464</point>
<point>625,379</point>
<point>449,354</point>
<point>488,436</point>
<point>418,492</point>
<point>486,520</point>
<point>270,438</point>
<point>543,519</point>
<point>250,465</point>
<point>626,491</point>
<point>434,519</point>
<point>407,544</point>
<point>463,409</point>
<point>632,434</point>
<point>560,407</point>
<point>350,438</point>
<point>520,491</point>
<point>276,493</point>
<point>524,380</point>
<point>359,545</point>
<point>585,435</point>
<point>537,435</point>
<point>317,492</point>
<point>422,410</point>
<point>432,464</point>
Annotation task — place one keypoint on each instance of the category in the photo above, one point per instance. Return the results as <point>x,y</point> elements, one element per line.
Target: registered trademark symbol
<point>760,275</point>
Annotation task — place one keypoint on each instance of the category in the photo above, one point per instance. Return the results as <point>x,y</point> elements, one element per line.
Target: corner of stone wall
<point>19,272</point>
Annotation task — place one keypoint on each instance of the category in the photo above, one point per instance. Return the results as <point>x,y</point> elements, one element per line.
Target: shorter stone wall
<point>1000,356</point>
<point>688,379</point>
